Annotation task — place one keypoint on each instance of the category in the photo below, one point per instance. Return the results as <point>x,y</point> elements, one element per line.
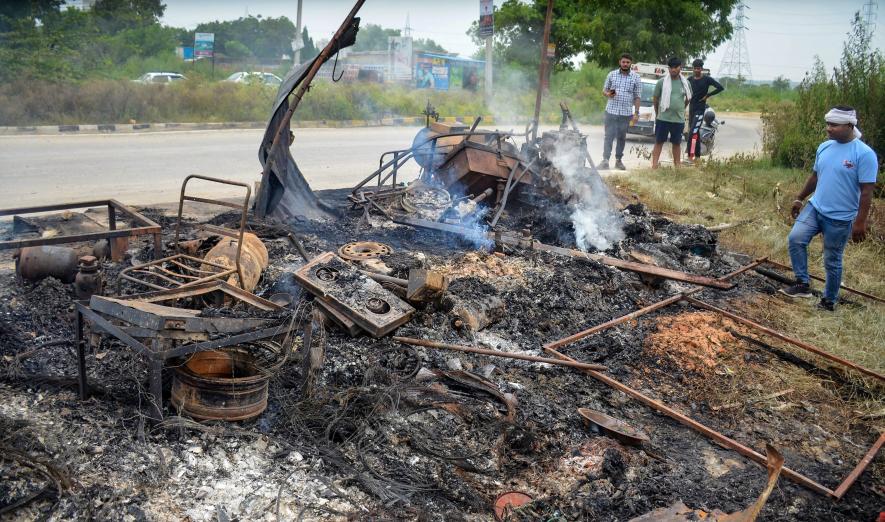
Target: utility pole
<point>298,35</point>
<point>736,62</point>
<point>542,67</point>
<point>869,18</point>
<point>488,72</point>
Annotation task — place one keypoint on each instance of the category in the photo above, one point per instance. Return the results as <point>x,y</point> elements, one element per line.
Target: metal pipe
<point>381,278</point>
<point>614,322</point>
<point>861,466</point>
<point>795,342</point>
<point>498,353</point>
<point>486,193</point>
<point>816,278</point>
<point>697,426</point>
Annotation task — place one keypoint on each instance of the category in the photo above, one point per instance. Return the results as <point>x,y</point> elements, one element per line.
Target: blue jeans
<point>835,233</point>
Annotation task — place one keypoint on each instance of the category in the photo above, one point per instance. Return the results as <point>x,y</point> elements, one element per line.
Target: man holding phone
<point>623,88</point>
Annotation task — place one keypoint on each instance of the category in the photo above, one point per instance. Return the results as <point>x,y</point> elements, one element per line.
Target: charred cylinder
<point>477,314</point>
<point>253,259</point>
<point>485,194</point>
<point>36,263</point>
<point>88,280</point>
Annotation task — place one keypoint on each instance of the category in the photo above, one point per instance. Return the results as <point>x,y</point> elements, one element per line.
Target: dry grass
<point>743,188</point>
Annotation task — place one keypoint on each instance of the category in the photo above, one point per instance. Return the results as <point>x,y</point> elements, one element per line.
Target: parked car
<point>160,77</point>
<point>254,77</point>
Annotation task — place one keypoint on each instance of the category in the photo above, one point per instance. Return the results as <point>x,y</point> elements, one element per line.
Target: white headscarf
<point>667,89</point>
<point>842,117</point>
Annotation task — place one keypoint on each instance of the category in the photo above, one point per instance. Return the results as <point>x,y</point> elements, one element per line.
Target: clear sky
<point>782,39</point>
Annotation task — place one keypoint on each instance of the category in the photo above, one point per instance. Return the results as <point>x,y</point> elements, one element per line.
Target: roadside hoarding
<point>204,45</point>
<point>486,18</point>
<point>431,73</point>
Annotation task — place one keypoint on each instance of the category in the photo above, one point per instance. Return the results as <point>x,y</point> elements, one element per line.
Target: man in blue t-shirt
<point>842,181</point>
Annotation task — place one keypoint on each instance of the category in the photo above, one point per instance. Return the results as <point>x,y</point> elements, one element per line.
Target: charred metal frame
<point>145,227</point>
<point>157,351</point>
<point>194,275</point>
<point>718,437</point>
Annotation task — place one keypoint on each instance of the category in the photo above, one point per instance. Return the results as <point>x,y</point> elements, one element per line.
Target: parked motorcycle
<point>703,132</point>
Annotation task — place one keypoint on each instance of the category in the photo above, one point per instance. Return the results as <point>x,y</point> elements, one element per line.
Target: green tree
<point>116,15</point>
<point>780,84</point>
<point>27,11</point>
<point>373,37</point>
<point>310,49</point>
<point>267,38</point>
<point>651,30</point>
<point>792,131</point>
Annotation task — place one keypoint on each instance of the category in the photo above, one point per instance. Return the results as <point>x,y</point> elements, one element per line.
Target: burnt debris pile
<point>404,362</point>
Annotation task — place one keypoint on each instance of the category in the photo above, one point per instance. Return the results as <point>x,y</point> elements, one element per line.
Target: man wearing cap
<point>623,88</point>
<point>671,96</point>
<point>700,93</point>
<point>842,181</point>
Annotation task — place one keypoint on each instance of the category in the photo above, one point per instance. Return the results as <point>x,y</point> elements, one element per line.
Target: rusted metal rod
<point>614,322</point>
<point>795,342</point>
<point>728,442</point>
<point>498,353</point>
<point>816,278</point>
<point>381,278</point>
<point>743,269</point>
<point>861,466</point>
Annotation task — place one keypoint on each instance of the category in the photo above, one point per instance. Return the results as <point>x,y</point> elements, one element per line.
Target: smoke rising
<point>596,222</point>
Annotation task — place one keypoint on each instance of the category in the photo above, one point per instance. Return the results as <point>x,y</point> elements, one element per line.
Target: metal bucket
<point>229,384</point>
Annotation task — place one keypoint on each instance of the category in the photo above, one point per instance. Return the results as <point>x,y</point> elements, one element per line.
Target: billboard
<point>431,73</point>
<point>204,44</point>
<point>399,49</point>
<point>486,18</point>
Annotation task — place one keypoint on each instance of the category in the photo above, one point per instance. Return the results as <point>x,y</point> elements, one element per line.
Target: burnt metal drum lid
<point>615,427</point>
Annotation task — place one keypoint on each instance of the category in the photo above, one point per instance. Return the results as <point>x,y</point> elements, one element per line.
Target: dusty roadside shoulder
<point>124,128</point>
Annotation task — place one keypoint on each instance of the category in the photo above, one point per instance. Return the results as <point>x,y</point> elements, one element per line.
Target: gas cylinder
<point>88,280</point>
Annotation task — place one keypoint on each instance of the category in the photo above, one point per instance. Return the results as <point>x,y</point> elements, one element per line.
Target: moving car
<point>160,77</point>
<point>254,77</point>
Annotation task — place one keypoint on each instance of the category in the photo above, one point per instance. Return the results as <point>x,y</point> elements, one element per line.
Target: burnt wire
<point>335,65</point>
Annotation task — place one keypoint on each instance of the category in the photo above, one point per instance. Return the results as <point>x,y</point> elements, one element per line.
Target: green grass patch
<point>743,188</point>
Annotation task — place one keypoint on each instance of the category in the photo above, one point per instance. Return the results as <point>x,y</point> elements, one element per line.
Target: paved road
<point>141,169</point>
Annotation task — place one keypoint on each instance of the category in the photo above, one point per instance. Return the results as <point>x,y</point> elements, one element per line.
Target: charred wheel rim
<point>229,384</point>
<point>359,250</point>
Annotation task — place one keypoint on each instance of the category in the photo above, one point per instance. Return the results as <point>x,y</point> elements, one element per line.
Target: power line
<point>736,61</point>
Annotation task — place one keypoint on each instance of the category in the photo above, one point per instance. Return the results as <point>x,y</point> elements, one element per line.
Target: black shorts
<point>663,129</point>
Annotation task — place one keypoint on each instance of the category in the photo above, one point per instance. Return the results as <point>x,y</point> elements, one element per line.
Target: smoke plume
<point>596,222</point>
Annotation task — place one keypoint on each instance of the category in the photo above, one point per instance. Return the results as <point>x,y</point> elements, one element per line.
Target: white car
<point>254,77</point>
<point>160,77</point>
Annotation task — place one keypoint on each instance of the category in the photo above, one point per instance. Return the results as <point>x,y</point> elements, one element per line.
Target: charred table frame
<point>158,349</point>
<point>112,235</point>
<point>841,489</point>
